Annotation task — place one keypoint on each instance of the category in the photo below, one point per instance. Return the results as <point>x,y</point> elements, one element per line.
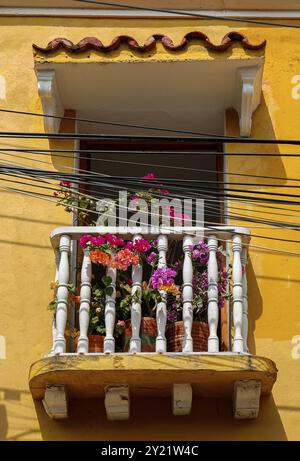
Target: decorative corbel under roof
<point>248,96</point>
<point>50,98</point>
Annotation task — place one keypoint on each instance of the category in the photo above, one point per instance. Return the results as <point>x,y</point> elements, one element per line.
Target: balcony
<point>218,366</point>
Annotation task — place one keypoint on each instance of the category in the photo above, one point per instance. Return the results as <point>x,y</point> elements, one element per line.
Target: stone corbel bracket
<point>249,81</point>
<point>51,102</point>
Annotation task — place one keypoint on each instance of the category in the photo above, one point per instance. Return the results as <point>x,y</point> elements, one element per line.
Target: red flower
<point>65,183</point>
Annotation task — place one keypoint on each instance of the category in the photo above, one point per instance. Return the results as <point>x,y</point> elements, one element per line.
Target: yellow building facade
<point>27,259</point>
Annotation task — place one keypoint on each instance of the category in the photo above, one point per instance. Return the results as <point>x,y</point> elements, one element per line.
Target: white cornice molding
<point>248,96</point>
<point>50,98</point>
<point>86,12</point>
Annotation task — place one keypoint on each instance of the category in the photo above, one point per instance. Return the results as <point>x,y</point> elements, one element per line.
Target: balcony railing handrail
<point>223,232</point>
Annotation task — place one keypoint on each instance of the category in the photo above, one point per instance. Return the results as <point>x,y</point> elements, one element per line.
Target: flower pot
<point>148,333</point>
<point>95,343</point>
<point>175,335</point>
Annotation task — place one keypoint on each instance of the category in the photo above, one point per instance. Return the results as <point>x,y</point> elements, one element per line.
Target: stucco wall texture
<point>27,261</point>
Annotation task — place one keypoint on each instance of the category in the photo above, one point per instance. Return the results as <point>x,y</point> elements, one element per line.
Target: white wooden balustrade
<point>239,238</point>
<point>136,305</point>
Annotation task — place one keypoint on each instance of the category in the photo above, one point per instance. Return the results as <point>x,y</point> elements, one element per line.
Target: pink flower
<point>165,191</point>
<point>142,245</point>
<point>114,240</point>
<point>121,323</point>
<point>136,197</point>
<point>130,245</point>
<point>149,175</point>
<point>151,257</point>
<point>97,241</point>
<point>65,183</point>
<point>180,216</point>
<point>85,239</point>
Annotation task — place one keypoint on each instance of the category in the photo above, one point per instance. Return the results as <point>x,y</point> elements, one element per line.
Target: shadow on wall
<point>255,306</point>
<point>3,422</point>
<point>152,419</point>
<point>14,416</point>
<point>262,128</point>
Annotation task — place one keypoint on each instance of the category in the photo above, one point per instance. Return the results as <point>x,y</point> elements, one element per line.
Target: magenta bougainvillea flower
<point>163,276</point>
<point>141,245</point>
<point>151,257</point>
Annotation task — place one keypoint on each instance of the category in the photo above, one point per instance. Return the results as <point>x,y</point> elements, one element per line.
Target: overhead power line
<point>236,217</point>
<point>207,139</point>
<point>210,200</point>
<point>153,152</point>
<point>188,13</point>
<point>105,122</point>
<point>172,183</point>
<point>45,197</point>
<point>53,153</point>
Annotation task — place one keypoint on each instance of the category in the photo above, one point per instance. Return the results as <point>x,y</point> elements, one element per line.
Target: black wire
<point>115,181</point>
<point>207,227</point>
<point>153,152</point>
<point>186,13</point>
<point>144,183</point>
<point>209,139</point>
<point>231,216</point>
<point>48,152</point>
<point>224,183</point>
<point>105,122</point>
<point>231,207</point>
<point>240,199</point>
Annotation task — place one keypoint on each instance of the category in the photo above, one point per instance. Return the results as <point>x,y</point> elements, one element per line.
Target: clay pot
<point>148,333</point>
<point>175,334</point>
<point>95,343</point>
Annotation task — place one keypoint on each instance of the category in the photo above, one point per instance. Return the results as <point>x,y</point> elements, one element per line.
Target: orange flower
<point>53,285</point>
<point>124,259</point>
<point>172,289</point>
<point>74,298</point>
<point>100,257</point>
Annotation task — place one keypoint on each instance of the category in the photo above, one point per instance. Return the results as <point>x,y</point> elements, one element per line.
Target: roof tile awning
<point>93,43</point>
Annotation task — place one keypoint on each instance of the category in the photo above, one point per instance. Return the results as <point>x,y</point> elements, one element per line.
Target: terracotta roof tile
<point>92,43</point>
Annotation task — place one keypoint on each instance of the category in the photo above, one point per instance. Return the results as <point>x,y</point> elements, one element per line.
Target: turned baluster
<point>237,292</point>
<point>85,300</point>
<point>161,310</point>
<point>62,294</point>
<point>110,312</point>
<point>212,294</point>
<point>136,305</point>
<point>187,294</point>
<point>245,299</point>
<point>57,261</point>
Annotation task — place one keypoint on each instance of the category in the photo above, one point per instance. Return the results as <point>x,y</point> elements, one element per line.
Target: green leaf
<point>109,291</point>
<point>106,280</point>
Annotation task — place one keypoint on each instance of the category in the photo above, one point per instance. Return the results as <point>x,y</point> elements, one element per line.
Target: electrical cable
<point>71,168</point>
<point>258,236</point>
<point>187,13</point>
<point>209,139</point>
<point>49,152</point>
<point>275,250</point>
<point>105,122</point>
<point>117,181</point>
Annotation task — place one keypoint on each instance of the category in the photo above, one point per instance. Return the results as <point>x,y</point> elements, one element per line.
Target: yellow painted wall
<point>27,261</point>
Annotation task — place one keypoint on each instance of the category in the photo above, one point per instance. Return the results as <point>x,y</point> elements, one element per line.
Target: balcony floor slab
<point>211,375</point>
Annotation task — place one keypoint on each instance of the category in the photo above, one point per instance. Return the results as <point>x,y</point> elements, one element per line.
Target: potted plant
<point>200,329</point>
<point>160,283</point>
<point>112,251</point>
